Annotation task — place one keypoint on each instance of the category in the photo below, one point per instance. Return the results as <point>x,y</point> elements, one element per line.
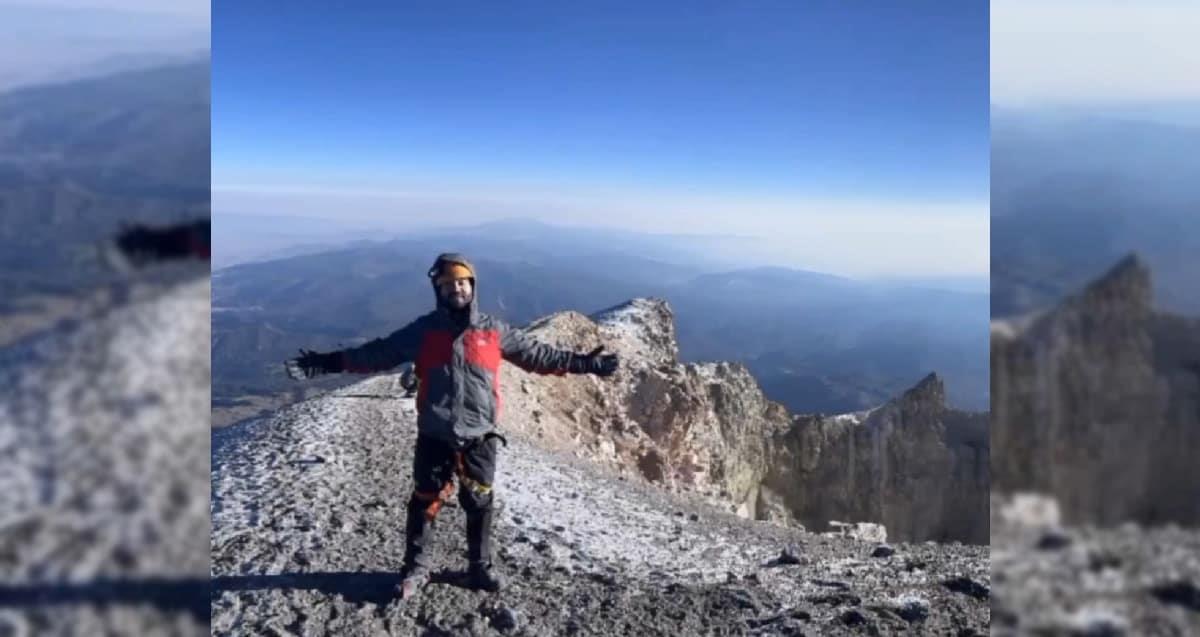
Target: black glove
<point>142,243</point>
<point>310,364</point>
<point>594,363</point>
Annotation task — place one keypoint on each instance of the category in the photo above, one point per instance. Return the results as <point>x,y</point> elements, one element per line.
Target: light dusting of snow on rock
<point>104,453</point>
<point>644,330</point>
<point>854,418</point>
<point>322,486</point>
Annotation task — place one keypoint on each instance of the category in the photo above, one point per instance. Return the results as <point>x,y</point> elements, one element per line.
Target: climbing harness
<point>437,498</point>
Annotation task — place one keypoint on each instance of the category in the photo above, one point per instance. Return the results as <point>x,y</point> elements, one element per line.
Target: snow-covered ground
<point>104,449</point>
<point>308,510</point>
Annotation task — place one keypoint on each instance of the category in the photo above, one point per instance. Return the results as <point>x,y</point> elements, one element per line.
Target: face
<point>456,293</point>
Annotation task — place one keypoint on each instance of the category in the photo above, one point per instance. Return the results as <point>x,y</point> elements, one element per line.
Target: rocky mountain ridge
<point>1097,402</point>
<point>1096,418</point>
<point>913,464</point>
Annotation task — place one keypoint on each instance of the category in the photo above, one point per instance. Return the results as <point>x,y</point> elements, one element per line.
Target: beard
<point>457,301</point>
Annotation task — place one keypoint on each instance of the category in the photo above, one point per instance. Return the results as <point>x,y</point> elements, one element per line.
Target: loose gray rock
<point>104,453</point>
<point>291,543</point>
<point>967,586</point>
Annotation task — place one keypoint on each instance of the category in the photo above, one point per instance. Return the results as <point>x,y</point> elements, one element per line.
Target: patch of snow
<point>104,436</point>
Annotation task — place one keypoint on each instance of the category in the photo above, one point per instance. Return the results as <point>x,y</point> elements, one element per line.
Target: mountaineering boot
<point>483,577</point>
<point>413,579</point>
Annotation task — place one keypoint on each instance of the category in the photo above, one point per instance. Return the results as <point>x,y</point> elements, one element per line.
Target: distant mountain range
<point>816,342</point>
<point>245,238</point>
<point>47,42</point>
<point>1072,194</point>
<point>79,158</point>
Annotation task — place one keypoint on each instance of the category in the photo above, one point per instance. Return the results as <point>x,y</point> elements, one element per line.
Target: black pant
<point>435,464</point>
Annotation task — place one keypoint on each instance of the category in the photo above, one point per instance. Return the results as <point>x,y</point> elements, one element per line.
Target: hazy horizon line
<point>862,238</point>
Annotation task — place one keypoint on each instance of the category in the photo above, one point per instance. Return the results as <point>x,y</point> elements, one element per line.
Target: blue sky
<point>764,118</point>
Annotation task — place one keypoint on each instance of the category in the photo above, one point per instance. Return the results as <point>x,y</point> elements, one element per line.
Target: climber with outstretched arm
<point>139,245</point>
<point>457,352</point>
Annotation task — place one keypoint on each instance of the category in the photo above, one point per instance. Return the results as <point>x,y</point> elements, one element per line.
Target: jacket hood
<point>454,257</point>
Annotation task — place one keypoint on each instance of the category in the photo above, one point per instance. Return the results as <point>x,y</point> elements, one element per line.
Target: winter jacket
<point>458,367</point>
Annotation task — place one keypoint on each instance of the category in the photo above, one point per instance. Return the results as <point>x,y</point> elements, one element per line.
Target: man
<point>457,350</point>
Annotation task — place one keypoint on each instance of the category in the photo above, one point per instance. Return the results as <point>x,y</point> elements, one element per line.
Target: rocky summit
<point>1096,413</point>
<point>653,502</point>
<point>1097,403</point>
<point>913,465</point>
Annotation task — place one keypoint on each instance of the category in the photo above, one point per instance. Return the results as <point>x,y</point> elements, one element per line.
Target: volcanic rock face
<point>697,427</point>
<point>104,454</point>
<point>1097,402</point>
<point>913,465</point>
<point>308,510</point>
